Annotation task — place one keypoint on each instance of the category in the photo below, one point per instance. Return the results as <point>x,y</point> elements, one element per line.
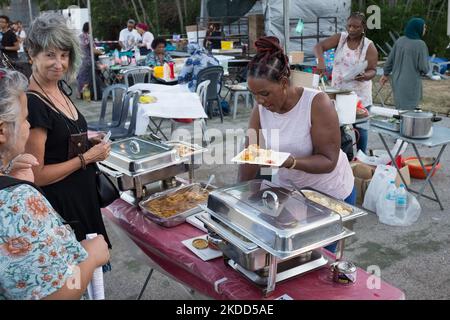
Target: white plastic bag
<point>379,183</point>
<point>412,213</point>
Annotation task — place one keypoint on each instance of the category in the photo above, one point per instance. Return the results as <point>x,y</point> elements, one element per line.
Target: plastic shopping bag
<point>380,181</point>
<point>395,218</point>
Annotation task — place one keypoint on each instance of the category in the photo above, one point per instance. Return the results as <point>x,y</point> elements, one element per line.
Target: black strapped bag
<point>106,189</point>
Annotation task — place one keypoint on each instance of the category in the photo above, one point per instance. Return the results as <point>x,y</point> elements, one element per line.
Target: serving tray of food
<point>171,208</point>
<point>345,210</point>
<point>185,149</point>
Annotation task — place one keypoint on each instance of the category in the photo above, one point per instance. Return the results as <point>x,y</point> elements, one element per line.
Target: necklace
<point>66,106</point>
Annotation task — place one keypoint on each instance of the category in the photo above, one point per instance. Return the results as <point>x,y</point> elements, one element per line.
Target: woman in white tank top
<point>296,120</point>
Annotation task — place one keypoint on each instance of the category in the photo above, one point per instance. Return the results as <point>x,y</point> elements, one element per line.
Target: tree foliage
<point>110,16</point>
<point>396,13</point>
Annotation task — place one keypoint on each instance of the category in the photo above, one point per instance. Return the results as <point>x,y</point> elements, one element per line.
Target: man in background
<point>9,44</point>
<point>129,37</point>
<point>21,36</point>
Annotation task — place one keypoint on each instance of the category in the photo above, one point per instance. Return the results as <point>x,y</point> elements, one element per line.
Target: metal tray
<point>135,155</point>
<point>385,124</point>
<point>191,149</point>
<point>291,227</point>
<point>354,213</point>
<point>177,218</point>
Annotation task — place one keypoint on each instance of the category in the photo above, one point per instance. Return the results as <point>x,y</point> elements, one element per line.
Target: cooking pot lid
<point>417,114</point>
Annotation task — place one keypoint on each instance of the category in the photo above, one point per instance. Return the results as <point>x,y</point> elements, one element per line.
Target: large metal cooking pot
<point>417,124</point>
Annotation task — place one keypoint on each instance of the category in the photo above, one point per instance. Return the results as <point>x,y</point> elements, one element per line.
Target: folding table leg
<point>145,284</point>
<point>158,127</point>
<point>392,158</point>
<point>428,175</point>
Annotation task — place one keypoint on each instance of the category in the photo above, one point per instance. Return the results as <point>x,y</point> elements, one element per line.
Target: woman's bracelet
<point>83,161</point>
<point>293,164</point>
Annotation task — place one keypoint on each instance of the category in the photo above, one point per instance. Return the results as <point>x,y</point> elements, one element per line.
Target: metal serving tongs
<point>211,179</point>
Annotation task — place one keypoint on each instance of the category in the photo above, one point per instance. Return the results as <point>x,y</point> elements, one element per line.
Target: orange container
<point>415,170</point>
<point>158,72</point>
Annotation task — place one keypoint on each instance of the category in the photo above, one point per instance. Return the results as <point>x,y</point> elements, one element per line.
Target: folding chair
<point>214,74</point>
<point>121,131</point>
<point>117,94</point>
<point>137,75</point>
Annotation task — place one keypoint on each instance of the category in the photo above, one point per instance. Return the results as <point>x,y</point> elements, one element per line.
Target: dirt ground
<point>436,95</point>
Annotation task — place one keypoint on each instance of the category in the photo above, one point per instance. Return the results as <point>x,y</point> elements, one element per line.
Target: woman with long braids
<point>296,120</point>
<point>352,48</point>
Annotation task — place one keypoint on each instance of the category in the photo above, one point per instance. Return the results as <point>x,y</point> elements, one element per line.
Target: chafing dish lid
<point>274,217</point>
<point>275,206</point>
<point>137,149</point>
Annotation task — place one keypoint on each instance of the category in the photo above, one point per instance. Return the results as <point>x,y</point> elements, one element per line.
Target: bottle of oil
<point>86,93</point>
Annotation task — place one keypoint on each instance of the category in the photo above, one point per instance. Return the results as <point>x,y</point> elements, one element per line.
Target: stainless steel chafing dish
<point>269,233</point>
<point>135,164</point>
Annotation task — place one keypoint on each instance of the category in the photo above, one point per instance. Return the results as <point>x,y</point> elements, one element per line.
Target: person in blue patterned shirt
<point>40,257</point>
<point>198,60</point>
<point>158,56</point>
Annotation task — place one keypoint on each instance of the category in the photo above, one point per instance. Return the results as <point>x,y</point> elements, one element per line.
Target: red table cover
<point>164,247</point>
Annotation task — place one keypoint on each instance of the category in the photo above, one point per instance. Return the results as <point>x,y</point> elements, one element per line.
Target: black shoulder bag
<point>106,189</point>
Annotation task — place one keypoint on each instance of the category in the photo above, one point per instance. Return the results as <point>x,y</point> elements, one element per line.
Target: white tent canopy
<point>278,13</point>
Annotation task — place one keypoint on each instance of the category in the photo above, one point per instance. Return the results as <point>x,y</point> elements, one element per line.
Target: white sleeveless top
<point>345,59</point>
<point>291,132</point>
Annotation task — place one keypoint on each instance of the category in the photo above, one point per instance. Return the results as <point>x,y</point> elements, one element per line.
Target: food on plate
<point>331,204</point>
<point>256,154</point>
<point>200,244</point>
<point>147,99</point>
<point>177,202</point>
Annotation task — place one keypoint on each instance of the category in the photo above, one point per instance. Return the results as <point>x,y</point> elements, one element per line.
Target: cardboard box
<point>296,57</point>
<point>304,79</point>
<point>363,174</point>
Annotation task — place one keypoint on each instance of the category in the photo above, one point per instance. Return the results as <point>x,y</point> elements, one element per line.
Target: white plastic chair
<point>202,90</point>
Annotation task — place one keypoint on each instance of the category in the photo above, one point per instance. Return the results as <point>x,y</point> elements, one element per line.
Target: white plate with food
<point>200,246</point>
<point>264,157</point>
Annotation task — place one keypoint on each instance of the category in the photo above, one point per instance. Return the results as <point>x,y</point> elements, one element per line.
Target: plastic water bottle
<point>401,202</point>
<point>390,198</point>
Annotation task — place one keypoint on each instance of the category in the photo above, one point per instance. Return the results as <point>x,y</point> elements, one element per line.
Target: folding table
<point>440,138</point>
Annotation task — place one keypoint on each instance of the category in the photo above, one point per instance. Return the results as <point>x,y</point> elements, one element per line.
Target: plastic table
<point>218,281</point>
<point>440,138</point>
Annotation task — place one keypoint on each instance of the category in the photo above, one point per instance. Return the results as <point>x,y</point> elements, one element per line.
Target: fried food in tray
<point>327,202</point>
<point>183,150</point>
<point>177,202</point>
